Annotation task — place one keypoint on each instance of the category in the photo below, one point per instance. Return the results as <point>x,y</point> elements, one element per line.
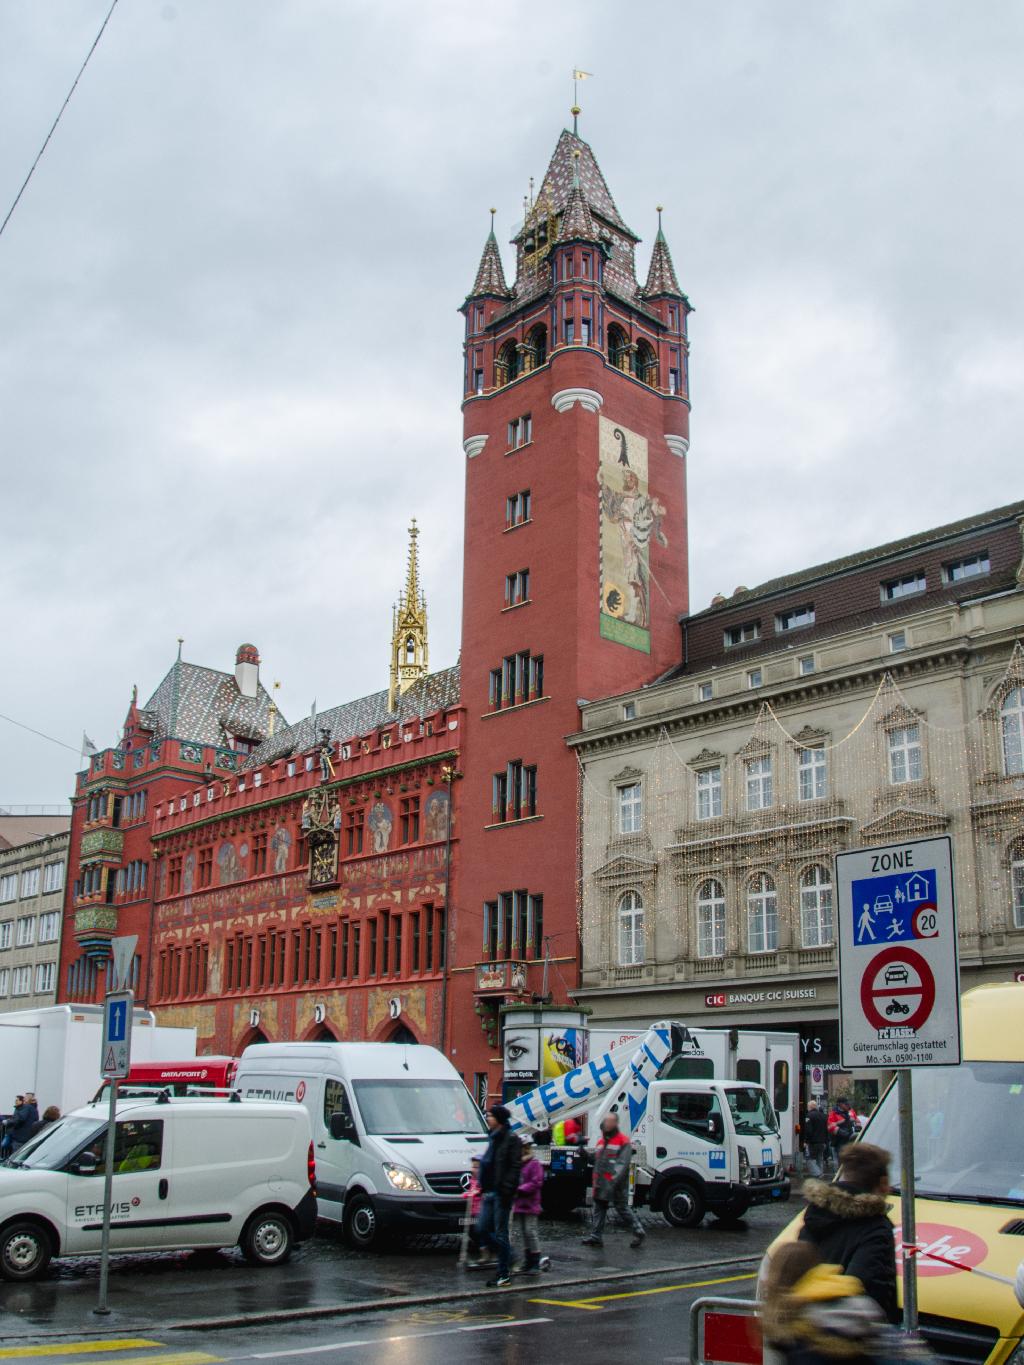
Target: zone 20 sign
<point>899,977</point>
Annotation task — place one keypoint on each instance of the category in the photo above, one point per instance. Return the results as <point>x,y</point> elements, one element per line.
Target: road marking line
<point>75,1348</point>
<point>178,1358</point>
<point>387,1341</point>
<point>593,1305</point>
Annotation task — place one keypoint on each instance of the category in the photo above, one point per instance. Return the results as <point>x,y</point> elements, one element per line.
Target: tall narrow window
<point>631,929</point>
<point>1017,886</point>
<point>630,808</point>
<point>762,915</point>
<point>815,907</point>
<point>517,588</point>
<point>813,769</point>
<point>1012,718</point>
<point>409,820</point>
<point>711,919</point>
<point>709,793</point>
<point>759,783</point>
<point>905,760</point>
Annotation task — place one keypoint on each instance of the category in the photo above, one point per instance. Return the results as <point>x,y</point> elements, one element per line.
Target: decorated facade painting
<point>229,865</point>
<point>630,519</point>
<point>435,817</point>
<point>380,822</point>
<point>281,843</point>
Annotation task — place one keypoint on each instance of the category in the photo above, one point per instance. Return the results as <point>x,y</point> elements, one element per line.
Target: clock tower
<point>576,427</point>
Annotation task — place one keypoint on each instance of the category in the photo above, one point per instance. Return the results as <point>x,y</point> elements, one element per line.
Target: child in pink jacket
<point>526,1209</point>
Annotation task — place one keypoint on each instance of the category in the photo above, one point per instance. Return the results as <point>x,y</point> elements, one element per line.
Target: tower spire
<point>409,652</point>
<point>490,274</point>
<point>661,277</point>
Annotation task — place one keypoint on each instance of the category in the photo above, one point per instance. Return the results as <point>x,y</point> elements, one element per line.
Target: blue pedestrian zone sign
<point>895,909</point>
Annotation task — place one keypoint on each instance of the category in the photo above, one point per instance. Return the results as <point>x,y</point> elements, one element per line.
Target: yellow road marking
<point>75,1348</point>
<point>179,1358</point>
<point>593,1305</point>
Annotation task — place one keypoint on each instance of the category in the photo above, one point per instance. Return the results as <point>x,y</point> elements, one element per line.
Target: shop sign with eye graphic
<point>521,1053</point>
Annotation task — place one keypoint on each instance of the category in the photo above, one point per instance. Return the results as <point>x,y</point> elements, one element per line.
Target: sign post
<point>899,986</point>
<point>115,1059</point>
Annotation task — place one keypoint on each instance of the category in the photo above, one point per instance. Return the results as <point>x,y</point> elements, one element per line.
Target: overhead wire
<point>53,126</point>
<point>75,749</point>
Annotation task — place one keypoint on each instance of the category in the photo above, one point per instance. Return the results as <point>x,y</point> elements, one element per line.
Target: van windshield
<point>417,1107</point>
<point>964,1121</point>
<point>751,1112</point>
<point>51,1150</point>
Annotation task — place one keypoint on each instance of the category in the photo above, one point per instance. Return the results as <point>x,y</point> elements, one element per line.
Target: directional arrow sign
<point>899,976</point>
<point>116,1052</point>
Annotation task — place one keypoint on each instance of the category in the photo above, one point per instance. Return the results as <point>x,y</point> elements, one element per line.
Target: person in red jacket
<point>611,1181</point>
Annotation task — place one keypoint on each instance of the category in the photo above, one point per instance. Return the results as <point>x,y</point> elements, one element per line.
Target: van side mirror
<point>716,1130</point>
<point>341,1128</point>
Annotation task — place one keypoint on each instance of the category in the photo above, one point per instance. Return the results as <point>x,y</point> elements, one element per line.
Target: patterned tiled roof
<point>204,705</point>
<point>661,278</point>
<point>558,181</point>
<point>577,220</point>
<point>490,275</point>
<point>432,693</point>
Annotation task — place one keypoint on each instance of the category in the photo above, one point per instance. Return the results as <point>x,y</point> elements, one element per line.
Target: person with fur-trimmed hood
<point>848,1222</point>
<point>813,1314</point>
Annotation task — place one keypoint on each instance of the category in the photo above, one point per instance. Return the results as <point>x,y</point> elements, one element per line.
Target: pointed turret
<point>661,278</point>
<point>490,275</point>
<point>577,220</point>
<point>409,655</point>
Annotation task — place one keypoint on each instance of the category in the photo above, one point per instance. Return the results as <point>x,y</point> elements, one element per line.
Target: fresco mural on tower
<point>630,519</point>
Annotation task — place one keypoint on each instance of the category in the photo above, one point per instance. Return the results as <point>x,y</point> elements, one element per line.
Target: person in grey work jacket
<point>611,1184</point>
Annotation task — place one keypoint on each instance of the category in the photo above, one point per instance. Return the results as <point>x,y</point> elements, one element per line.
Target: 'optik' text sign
<point>899,975</point>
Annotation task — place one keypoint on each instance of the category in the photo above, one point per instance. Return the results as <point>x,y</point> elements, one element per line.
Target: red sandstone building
<point>403,865</point>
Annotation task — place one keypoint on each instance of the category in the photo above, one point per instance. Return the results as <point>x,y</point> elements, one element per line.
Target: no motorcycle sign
<point>899,977</point>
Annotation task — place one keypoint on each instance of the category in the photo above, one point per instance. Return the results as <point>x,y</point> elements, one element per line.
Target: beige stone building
<point>876,698</point>
<point>32,878</point>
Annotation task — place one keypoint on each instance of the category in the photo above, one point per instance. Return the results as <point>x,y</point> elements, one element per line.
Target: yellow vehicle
<point>969,1155</point>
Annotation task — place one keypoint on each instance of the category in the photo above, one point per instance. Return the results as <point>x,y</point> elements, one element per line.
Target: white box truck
<point>55,1052</point>
<point>394,1126</point>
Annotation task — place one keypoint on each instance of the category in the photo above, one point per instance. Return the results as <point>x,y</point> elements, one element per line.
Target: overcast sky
<point>230,357</point>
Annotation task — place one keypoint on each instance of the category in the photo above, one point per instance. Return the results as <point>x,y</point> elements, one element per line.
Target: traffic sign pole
<point>908,1212</point>
<point>102,1308</point>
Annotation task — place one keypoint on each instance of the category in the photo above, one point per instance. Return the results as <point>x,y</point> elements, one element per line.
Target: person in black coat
<point>848,1222</point>
<point>499,1180</point>
<point>815,1136</point>
<point>24,1120</point>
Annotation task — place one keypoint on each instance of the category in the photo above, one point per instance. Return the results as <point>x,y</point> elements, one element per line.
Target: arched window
<point>410,650</point>
<point>618,347</point>
<point>815,907</point>
<point>536,347</point>
<point>506,364</point>
<point>1017,885</point>
<point>762,915</point>
<point>1012,714</point>
<point>647,363</point>
<point>711,919</point>
<point>631,929</point>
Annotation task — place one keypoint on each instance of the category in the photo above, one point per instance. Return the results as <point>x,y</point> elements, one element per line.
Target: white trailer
<point>55,1052</point>
<point>762,1057</point>
<point>700,1146</point>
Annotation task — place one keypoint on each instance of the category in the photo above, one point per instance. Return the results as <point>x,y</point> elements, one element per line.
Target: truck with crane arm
<point>699,1146</point>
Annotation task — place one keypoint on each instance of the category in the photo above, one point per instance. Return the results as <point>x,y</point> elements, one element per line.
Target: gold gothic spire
<point>409,653</point>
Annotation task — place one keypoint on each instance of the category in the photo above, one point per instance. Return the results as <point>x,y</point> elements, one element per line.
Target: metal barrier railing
<point>725,1331</point>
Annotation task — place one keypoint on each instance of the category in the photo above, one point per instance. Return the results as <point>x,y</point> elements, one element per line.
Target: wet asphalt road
<point>592,1306</point>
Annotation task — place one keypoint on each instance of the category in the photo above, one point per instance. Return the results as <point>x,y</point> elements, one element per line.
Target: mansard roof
<point>490,275</point>
<point>205,706</point>
<point>435,692</point>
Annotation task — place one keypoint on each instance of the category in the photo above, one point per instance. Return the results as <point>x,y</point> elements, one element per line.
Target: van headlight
<point>402,1178</point>
<point>744,1167</point>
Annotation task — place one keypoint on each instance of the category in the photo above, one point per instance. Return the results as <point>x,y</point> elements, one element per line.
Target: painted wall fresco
<point>435,816</point>
<point>380,823</point>
<point>630,519</point>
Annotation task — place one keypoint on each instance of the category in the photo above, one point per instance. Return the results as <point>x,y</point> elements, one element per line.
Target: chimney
<point>247,670</point>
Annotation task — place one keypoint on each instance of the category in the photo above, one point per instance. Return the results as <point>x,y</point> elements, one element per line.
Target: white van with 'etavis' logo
<point>394,1125</point>
<point>188,1173</point>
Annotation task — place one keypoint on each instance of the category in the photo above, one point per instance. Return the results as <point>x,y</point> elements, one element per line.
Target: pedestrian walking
<point>813,1314</point>
<point>841,1126</point>
<point>24,1119</point>
<point>526,1210</point>
<point>471,1257</point>
<point>815,1136</point>
<point>499,1181</point>
<point>848,1222</point>
<point>611,1182</point>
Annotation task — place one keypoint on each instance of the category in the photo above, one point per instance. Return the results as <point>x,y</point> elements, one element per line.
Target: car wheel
<point>361,1226</point>
<point>682,1204</point>
<point>731,1212</point>
<point>25,1251</point>
<point>268,1238</point>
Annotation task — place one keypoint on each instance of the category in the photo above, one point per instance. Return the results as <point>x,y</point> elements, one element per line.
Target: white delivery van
<point>395,1130</point>
<point>188,1173</point>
